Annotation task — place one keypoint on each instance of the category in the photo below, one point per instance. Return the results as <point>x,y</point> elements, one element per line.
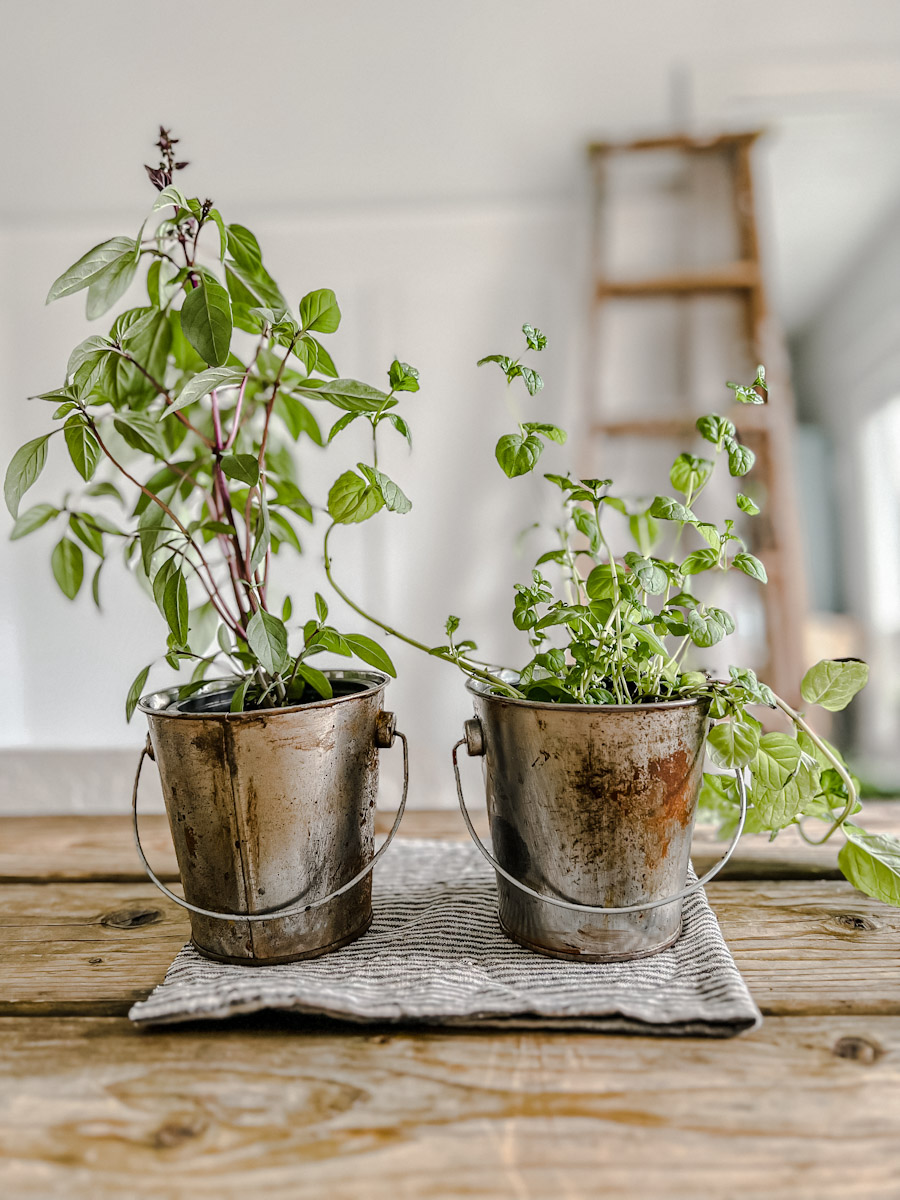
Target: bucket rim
<point>480,687</point>
<point>160,703</point>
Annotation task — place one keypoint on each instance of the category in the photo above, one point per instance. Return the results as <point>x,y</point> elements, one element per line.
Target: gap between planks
<point>101,848</point>
<point>804,948</point>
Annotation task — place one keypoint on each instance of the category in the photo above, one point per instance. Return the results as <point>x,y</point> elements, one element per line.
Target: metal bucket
<point>272,815</point>
<point>591,811</point>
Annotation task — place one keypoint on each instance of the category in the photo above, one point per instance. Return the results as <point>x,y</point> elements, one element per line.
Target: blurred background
<point>431,164</point>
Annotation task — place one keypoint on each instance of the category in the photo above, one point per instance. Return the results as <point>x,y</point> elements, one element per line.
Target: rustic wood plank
<point>94,948</point>
<point>101,849</point>
<point>91,1110</point>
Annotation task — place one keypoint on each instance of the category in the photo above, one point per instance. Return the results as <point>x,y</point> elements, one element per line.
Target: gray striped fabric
<point>435,954</point>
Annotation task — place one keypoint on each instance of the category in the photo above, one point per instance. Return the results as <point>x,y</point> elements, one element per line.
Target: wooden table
<point>281,1106</point>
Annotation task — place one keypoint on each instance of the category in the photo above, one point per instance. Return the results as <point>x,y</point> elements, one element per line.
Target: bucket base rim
<point>575,956</point>
<point>275,960</point>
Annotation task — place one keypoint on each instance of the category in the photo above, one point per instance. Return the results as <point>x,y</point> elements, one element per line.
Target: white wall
<point>427,162</point>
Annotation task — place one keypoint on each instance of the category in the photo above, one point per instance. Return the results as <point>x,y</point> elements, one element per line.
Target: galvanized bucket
<point>272,815</point>
<point>591,811</point>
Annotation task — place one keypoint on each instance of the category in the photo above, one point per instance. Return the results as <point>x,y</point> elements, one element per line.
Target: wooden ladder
<point>766,429</point>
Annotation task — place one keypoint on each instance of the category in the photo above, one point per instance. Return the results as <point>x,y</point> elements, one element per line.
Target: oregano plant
<point>611,625</point>
<point>180,423</point>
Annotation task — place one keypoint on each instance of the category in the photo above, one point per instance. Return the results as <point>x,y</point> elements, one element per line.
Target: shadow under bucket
<point>591,809</point>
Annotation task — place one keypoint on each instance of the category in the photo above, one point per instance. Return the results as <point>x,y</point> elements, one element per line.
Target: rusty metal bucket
<point>272,815</point>
<point>591,811</point>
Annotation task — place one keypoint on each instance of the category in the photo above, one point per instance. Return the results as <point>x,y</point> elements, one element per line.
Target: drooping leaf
<point>393,497</point>
<point>206,321</point>
<point>871,862</point>
<point>267,638</point>
<point>348,394</point>
<point>112,283</point>
<point>370,652</point>
<point>33,518</point>
<point>90,267</point>
<point>298,418</point>
<point>141,433</point>
<point>240,693</point>
<point>243,247</point>
<point>175,606</point>
<point>24,468</point>
<point>777,759</point>
<point>740,458</point>
<point>67,562</point>
<point>316,680</point>
<point>833,682</point>
<point>84,449</point>
<point>733,743</point>
<point>134,692</point>
<point>202,384</point>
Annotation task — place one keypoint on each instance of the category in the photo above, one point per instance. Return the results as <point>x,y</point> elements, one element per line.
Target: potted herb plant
<point>594,749</point>
<point>180,422</point>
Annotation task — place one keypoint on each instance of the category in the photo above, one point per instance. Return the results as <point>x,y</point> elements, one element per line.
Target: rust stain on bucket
<point>594,805</point>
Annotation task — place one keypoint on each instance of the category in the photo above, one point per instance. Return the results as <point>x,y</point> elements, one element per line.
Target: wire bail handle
<point>475,745</point>
<point>385,733</point>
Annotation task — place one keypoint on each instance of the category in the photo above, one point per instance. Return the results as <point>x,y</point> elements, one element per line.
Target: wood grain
<point>94,948</point>
<point>804,1109</point>
<point>101,849</point>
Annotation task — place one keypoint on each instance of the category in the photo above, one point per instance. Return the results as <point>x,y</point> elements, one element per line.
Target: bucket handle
<point>474,741</point>
<point>291,906</point>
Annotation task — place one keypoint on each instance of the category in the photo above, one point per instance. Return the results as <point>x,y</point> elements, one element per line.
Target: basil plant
<point>180,422</point>
<point>611,625</point>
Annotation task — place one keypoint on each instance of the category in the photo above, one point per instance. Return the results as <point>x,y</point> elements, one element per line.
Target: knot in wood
<point>857,1048</point>
<point>131,918</point>
<point>854,922</point>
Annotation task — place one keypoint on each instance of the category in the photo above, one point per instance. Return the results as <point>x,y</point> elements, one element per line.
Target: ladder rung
<point>747,420</point>
<point>739,276</point>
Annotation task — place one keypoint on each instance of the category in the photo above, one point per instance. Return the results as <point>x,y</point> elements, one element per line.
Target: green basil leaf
<point>243,467</point>
<point>267,638</point>
<point>134,692</point>
<point>31,519</point>
<point>175,606</point>
<point>353,499</point>
<point>518,455</point>
<point>745,504</point>
<point>316,680</point>
<point>112,283</point>
<point>740,458</point>
<point>370,652</point>
<point>202,384</point>
<point>24,468</point>
<point>84,449</point>
<point>777,760</point>
<point>871,862</point>
<point>319,311</point>
<point>750,565</point>
<point>833,682</point>
<point>206,321</point>
<point>393,497</point>
<point>237,700</point>
<point>733,743</point>
<point>67,562</point>
<point>90,267</point>
<point>667,509</point>
<point>348,394</point>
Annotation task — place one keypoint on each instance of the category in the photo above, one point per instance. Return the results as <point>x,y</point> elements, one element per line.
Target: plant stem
<point>465,664</point>
<point>852,797</point>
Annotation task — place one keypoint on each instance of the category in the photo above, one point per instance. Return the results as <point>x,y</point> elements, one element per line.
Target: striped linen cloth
<point>435,955</point>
